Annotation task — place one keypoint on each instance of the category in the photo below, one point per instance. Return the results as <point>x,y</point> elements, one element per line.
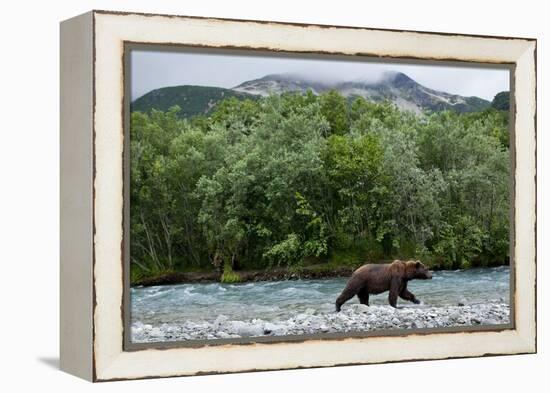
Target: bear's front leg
<point>406,295</point>
<point>364,296</point>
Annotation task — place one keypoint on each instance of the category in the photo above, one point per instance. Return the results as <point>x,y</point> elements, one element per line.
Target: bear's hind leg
<point>348,292</point>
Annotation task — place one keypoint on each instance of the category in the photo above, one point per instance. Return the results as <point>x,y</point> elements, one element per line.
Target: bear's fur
<point>378,278</point>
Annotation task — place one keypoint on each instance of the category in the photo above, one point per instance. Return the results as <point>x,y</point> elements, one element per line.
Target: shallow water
<point>281,300</point>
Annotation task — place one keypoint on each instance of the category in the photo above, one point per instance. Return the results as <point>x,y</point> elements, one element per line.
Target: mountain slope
<point>281,83</point>
<point>193,100</point>
<point>393,86</point>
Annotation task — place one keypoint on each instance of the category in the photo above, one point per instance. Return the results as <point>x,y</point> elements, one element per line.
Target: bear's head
<point>417,269</point>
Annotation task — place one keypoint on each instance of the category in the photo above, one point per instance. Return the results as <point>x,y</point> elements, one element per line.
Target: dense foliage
<point>293,179</point>
<point>501,101</point>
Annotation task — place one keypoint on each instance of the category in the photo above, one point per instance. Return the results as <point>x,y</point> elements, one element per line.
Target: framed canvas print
<point>248,195</point>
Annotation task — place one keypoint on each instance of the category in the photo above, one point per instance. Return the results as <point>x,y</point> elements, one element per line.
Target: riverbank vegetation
<point>295,180</point>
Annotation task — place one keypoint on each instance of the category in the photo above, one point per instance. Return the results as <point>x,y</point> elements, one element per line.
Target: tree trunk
<point>235,265</point>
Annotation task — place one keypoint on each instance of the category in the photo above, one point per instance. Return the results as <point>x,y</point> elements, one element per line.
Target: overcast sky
<point>154,69</point>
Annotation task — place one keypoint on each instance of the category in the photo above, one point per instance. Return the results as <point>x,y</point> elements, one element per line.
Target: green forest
<point>295,180</point>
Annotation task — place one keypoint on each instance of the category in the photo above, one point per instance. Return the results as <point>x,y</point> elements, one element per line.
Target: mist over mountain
<point>392,86</point>
<point>396,87</point>
<point>315,81</point>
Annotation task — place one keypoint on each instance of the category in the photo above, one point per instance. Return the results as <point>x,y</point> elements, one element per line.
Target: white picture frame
<point>92,195</point>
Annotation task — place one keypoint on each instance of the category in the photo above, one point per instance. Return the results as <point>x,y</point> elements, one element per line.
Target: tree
<point>334,108</point>
<point>501,101</point>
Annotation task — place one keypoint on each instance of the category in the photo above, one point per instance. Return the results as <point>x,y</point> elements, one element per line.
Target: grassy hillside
<point>193,100</point>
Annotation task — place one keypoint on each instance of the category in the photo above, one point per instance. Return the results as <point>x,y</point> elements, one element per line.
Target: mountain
<point>396,87</point>
<point>282,83</point>
<point>193,100</point>
<point>393,86</point>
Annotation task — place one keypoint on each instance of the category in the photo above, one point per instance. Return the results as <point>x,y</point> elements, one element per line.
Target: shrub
<point>229,276</point>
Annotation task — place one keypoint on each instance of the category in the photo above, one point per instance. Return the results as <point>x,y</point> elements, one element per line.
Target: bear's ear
<point>418,264</point>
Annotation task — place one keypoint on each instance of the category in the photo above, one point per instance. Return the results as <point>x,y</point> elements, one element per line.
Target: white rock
<point>418,324</point>
<point>301,317</point>
<point>489,321</point>
<point>156,332</point>
<point>220,320</point>
<point>475,320</point>
<point>244,329</point>
<point>360,308</point>
<point>455,315</point>
<point>275,329</point>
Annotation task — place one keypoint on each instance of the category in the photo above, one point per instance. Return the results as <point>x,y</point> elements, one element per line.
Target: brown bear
<point>378,278</point>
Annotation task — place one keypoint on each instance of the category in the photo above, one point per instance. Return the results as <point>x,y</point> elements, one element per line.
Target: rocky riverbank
<point>353,317</point>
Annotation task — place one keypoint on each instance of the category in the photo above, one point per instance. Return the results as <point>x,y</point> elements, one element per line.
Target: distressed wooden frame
<point>92,196</point>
